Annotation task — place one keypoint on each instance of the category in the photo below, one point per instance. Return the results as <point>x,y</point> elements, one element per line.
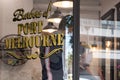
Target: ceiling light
<point>94,45</point>
<point>50,27</point>
<point>56,16</point>
<point>108,42</point>
<point>63,3</point>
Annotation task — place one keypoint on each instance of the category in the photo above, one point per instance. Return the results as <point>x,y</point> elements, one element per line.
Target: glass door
<point>99,51</point>
<point>36,40</point>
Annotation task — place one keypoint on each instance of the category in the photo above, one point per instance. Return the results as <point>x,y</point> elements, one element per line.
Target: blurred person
<point>85,59</point>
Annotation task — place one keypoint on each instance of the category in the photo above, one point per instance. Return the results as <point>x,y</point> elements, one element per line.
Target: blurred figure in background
<point>86,72</point>
<point>85,59</point>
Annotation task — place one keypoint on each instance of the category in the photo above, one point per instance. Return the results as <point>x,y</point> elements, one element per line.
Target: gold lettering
<point>14,54</point>
<point>31,42</point>
<point>60,39</point>
<point>38,14</point>
<point>18,15</point>
<point>32,56</point>
<point>45,40</point>
<point>19,41</point>
<point>20,26</point>
<point>34,41</point>
<point>29,16</point>
<point>7,43</point>
<point>40,24</point>
<point>13,44</point>
<point>25,28</point>
<point>45,14</point>
<point>37,41</point>
<point>33,28</point>
<point>33,14</point>
<point>25,42</point>
<point>30,28</point>
<point>35,55</point>
<point>53,39</point>
<point>29,56</point>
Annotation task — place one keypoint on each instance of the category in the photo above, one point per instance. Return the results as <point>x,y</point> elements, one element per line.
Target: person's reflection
<point>85,72</point>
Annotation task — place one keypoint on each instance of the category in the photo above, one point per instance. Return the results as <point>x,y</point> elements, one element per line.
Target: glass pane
<point>33,45</point>
<point>99,37</point>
